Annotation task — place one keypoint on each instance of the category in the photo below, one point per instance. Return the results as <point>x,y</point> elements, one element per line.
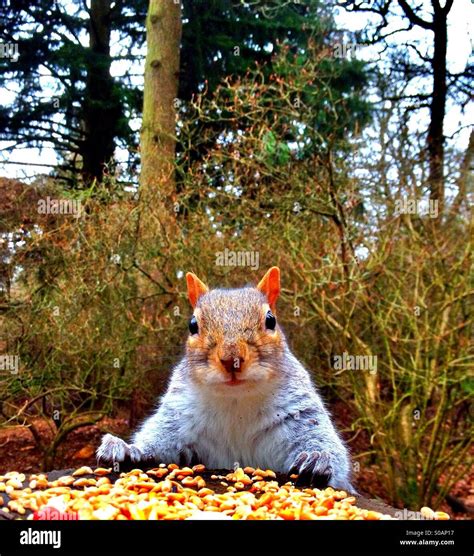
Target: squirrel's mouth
<point>234,380</point>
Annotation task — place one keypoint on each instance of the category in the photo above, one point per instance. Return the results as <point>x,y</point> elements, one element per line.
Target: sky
<point>460,45</point>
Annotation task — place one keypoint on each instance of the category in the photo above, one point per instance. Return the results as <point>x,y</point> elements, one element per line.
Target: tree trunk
<point>158,134</point>
<point>438,108</point>
<point>101,107</point>
<point>465,178</point>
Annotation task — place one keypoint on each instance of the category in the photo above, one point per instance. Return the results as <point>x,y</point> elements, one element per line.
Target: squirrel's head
<point>234,339</point>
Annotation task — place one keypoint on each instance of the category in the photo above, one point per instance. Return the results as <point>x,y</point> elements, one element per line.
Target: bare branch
<point>414,18</point>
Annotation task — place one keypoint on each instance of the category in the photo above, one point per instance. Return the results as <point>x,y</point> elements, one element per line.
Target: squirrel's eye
<point>270,321</point>
<point>193,325</point>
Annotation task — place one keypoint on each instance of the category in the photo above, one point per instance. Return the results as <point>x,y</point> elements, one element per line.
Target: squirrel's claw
<point>113,449</point>
<point>313,468</point>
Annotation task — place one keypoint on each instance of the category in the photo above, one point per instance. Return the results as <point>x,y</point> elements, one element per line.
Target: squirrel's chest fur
<point>225,430</point>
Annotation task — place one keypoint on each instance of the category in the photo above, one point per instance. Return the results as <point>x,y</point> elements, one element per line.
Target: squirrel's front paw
<point>113,449</point>
<point>313,468</point>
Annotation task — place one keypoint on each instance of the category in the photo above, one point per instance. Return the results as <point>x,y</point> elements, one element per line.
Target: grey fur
<point>282,425</point>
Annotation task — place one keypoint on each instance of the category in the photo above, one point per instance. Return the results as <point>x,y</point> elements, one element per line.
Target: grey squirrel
<point>239,395</point>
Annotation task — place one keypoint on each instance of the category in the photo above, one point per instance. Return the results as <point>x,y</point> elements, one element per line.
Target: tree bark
<point>465,176</point>
<point>438,107</point>
<point>435,137</point>
<point>158,134</point>
<point>101,107</point>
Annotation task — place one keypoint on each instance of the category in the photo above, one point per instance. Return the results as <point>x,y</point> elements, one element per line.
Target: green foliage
<point>50,83</point>
<point>59,88</point>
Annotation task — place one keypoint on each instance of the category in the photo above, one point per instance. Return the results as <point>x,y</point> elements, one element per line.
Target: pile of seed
<point>169,492</point>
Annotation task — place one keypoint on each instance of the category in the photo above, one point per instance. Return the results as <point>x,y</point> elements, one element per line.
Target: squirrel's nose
<point>232,364</point>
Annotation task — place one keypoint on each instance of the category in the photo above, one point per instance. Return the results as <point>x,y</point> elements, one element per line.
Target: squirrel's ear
<point>270,286</point>
<point>195,288</point>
